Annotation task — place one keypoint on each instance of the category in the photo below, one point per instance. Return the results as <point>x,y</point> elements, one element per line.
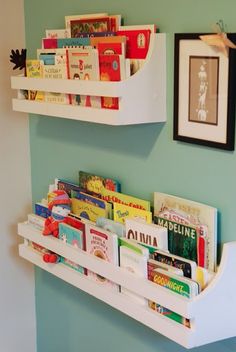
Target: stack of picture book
<point>94,47</point>
<point>174,246</point>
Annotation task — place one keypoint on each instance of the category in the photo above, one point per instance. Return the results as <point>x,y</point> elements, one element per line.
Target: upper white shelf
<point>142,96</point>
<point>212,312</point>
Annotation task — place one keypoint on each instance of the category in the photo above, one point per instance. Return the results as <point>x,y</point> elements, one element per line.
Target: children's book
<point>192,228</point>
<point>180,285</point>
<point>66,186</point>
<point>111,48</point>
<point>112,68</point>
<point>86,210</point>
<point>57,33</point>
<point>133,258</point>
<point>99,24</point>
<point>115,39</point>
<point>34,70</point>
<point>42,210</point>
<point>122,212</point>
<point>154,264</point>
<point>98,202</point>
<point>104,245</point>
<point>68,19</point>
<point>54,43</point>
<point>55,72</point>
<point>189,267</point>
<point>137,42</point>
<point>37,221</point>
<point>111,225</point>
<point>149,234</point>
<point>74,237</point>
<point>125,199</point>
<point>78,223</point>
<point>83,65</point>
<point>96,184</point>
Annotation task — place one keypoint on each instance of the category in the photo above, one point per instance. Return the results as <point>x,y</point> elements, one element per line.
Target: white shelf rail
<point>142,96</point>
<point>210,318</point>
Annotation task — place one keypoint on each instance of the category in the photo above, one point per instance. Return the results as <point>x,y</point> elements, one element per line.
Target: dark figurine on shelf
<point>18,58</point>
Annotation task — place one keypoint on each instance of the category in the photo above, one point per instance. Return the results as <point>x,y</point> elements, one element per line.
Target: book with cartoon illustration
<point>95,184</point>
<point>192,228</point>
<point>122,212</point>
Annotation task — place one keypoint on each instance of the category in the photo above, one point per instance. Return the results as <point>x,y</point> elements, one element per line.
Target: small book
<point>75,238</point>
<point>60,43</point>
<point>55,72</point>
<point>104,245</point>
<point>133,258</point>
<point>57,33</point>
<point>34,70</point>
<point>149,234</point>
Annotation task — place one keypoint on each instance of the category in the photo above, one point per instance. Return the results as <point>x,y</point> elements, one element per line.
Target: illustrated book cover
<point>122,212</point>
<point>55,72</point>
<point>34,70</point>
<point>111,225</point>
<point>75,238</point>
<point>96,184</point>
<point>104,245</point>
<point>86,210</point>
<point>192,228</point>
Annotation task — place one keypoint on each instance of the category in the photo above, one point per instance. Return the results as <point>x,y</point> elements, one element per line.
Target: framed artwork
<point>204,92</point>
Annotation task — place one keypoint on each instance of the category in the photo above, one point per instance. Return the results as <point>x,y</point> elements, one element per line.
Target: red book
<point>112,68</point>
<point>137,43</point>
<point>110,48</point>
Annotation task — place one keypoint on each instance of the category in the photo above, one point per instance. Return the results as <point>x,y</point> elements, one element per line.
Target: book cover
<point>111,48</point>
<point>189,267</point>
<point>137,42</point>
<point>99,24</point>
<point>192,228</point>
<point>57,33</point>
<point>55,72</point>
<point>37,221</point>
<point>98,202</point>
<point>104,245</point>
<point>78,223</point>
<point>96,184</point>
<point>42,210</point>
<point>112,68</point>
<point>34,70</point>
<point>111,225</point>
<point>133,258</point>
<point>83,65</point>
<point>70,18</point>
<point>122,212</point>
<point>67,186</point>
<point>74,237</point>
<point>57,43</point>
<point>154,264</point>
<point>149,234</point>
<point>116,39</point>
<point>86,210</point>
<point>125,199</point>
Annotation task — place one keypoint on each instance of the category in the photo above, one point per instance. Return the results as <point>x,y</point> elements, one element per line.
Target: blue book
<point>89,199</point>
<point>74,237</point>
<point>42,210</point>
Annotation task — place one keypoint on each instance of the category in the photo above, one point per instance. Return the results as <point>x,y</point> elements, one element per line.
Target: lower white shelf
<point>211,313</point>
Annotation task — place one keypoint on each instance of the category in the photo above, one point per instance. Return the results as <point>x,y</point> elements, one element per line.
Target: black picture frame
<point>204,92</point>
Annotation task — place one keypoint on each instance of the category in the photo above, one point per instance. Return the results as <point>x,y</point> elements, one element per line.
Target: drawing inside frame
<point>204,92</point>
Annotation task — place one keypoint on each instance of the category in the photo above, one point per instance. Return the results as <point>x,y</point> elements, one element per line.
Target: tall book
<point>34,70</point>
<point>133,258</point>
<point>83,65</point>
<point>192,228</point>
<point>104,245</point>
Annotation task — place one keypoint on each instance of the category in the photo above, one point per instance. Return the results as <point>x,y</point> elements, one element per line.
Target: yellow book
<point>34,70</point>
<point>122,212</point>
<point>121,198</point>
<point>86,210</point>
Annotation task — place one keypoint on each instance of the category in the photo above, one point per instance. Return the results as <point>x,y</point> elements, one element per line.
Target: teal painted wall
<point>144,158</point>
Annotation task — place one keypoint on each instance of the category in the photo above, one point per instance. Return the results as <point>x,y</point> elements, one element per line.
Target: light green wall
<point>144,158</point>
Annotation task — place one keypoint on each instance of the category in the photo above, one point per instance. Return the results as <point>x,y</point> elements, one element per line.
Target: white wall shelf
<point>211,312</point>
<point>142,96</point>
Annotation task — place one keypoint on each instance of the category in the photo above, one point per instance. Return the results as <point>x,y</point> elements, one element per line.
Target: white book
<point>148,234</point>
<point>102,244</point>
<point>57,33</point>
<point>133,258</point>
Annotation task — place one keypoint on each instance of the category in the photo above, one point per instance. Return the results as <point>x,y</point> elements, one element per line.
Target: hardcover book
<point>83,65</point>
<point>133,258</point>
<point>122,212</point>
<point>74,237</point>
<point>104,245</point>
<point>55,72</point>
<point>86,210</point>
<point>96,184</point>
<point>68,19</point>
<point>137,42</point>
<point>57,33</point>
<point>192,228</point>
<point>67,186</point>
<point>111,225</point>
<point>55,43</point>
<point>149,234</point>
<point>112,68</point>
<point>42,210</point>
<point>125,199</point>
<point>99,24</point>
